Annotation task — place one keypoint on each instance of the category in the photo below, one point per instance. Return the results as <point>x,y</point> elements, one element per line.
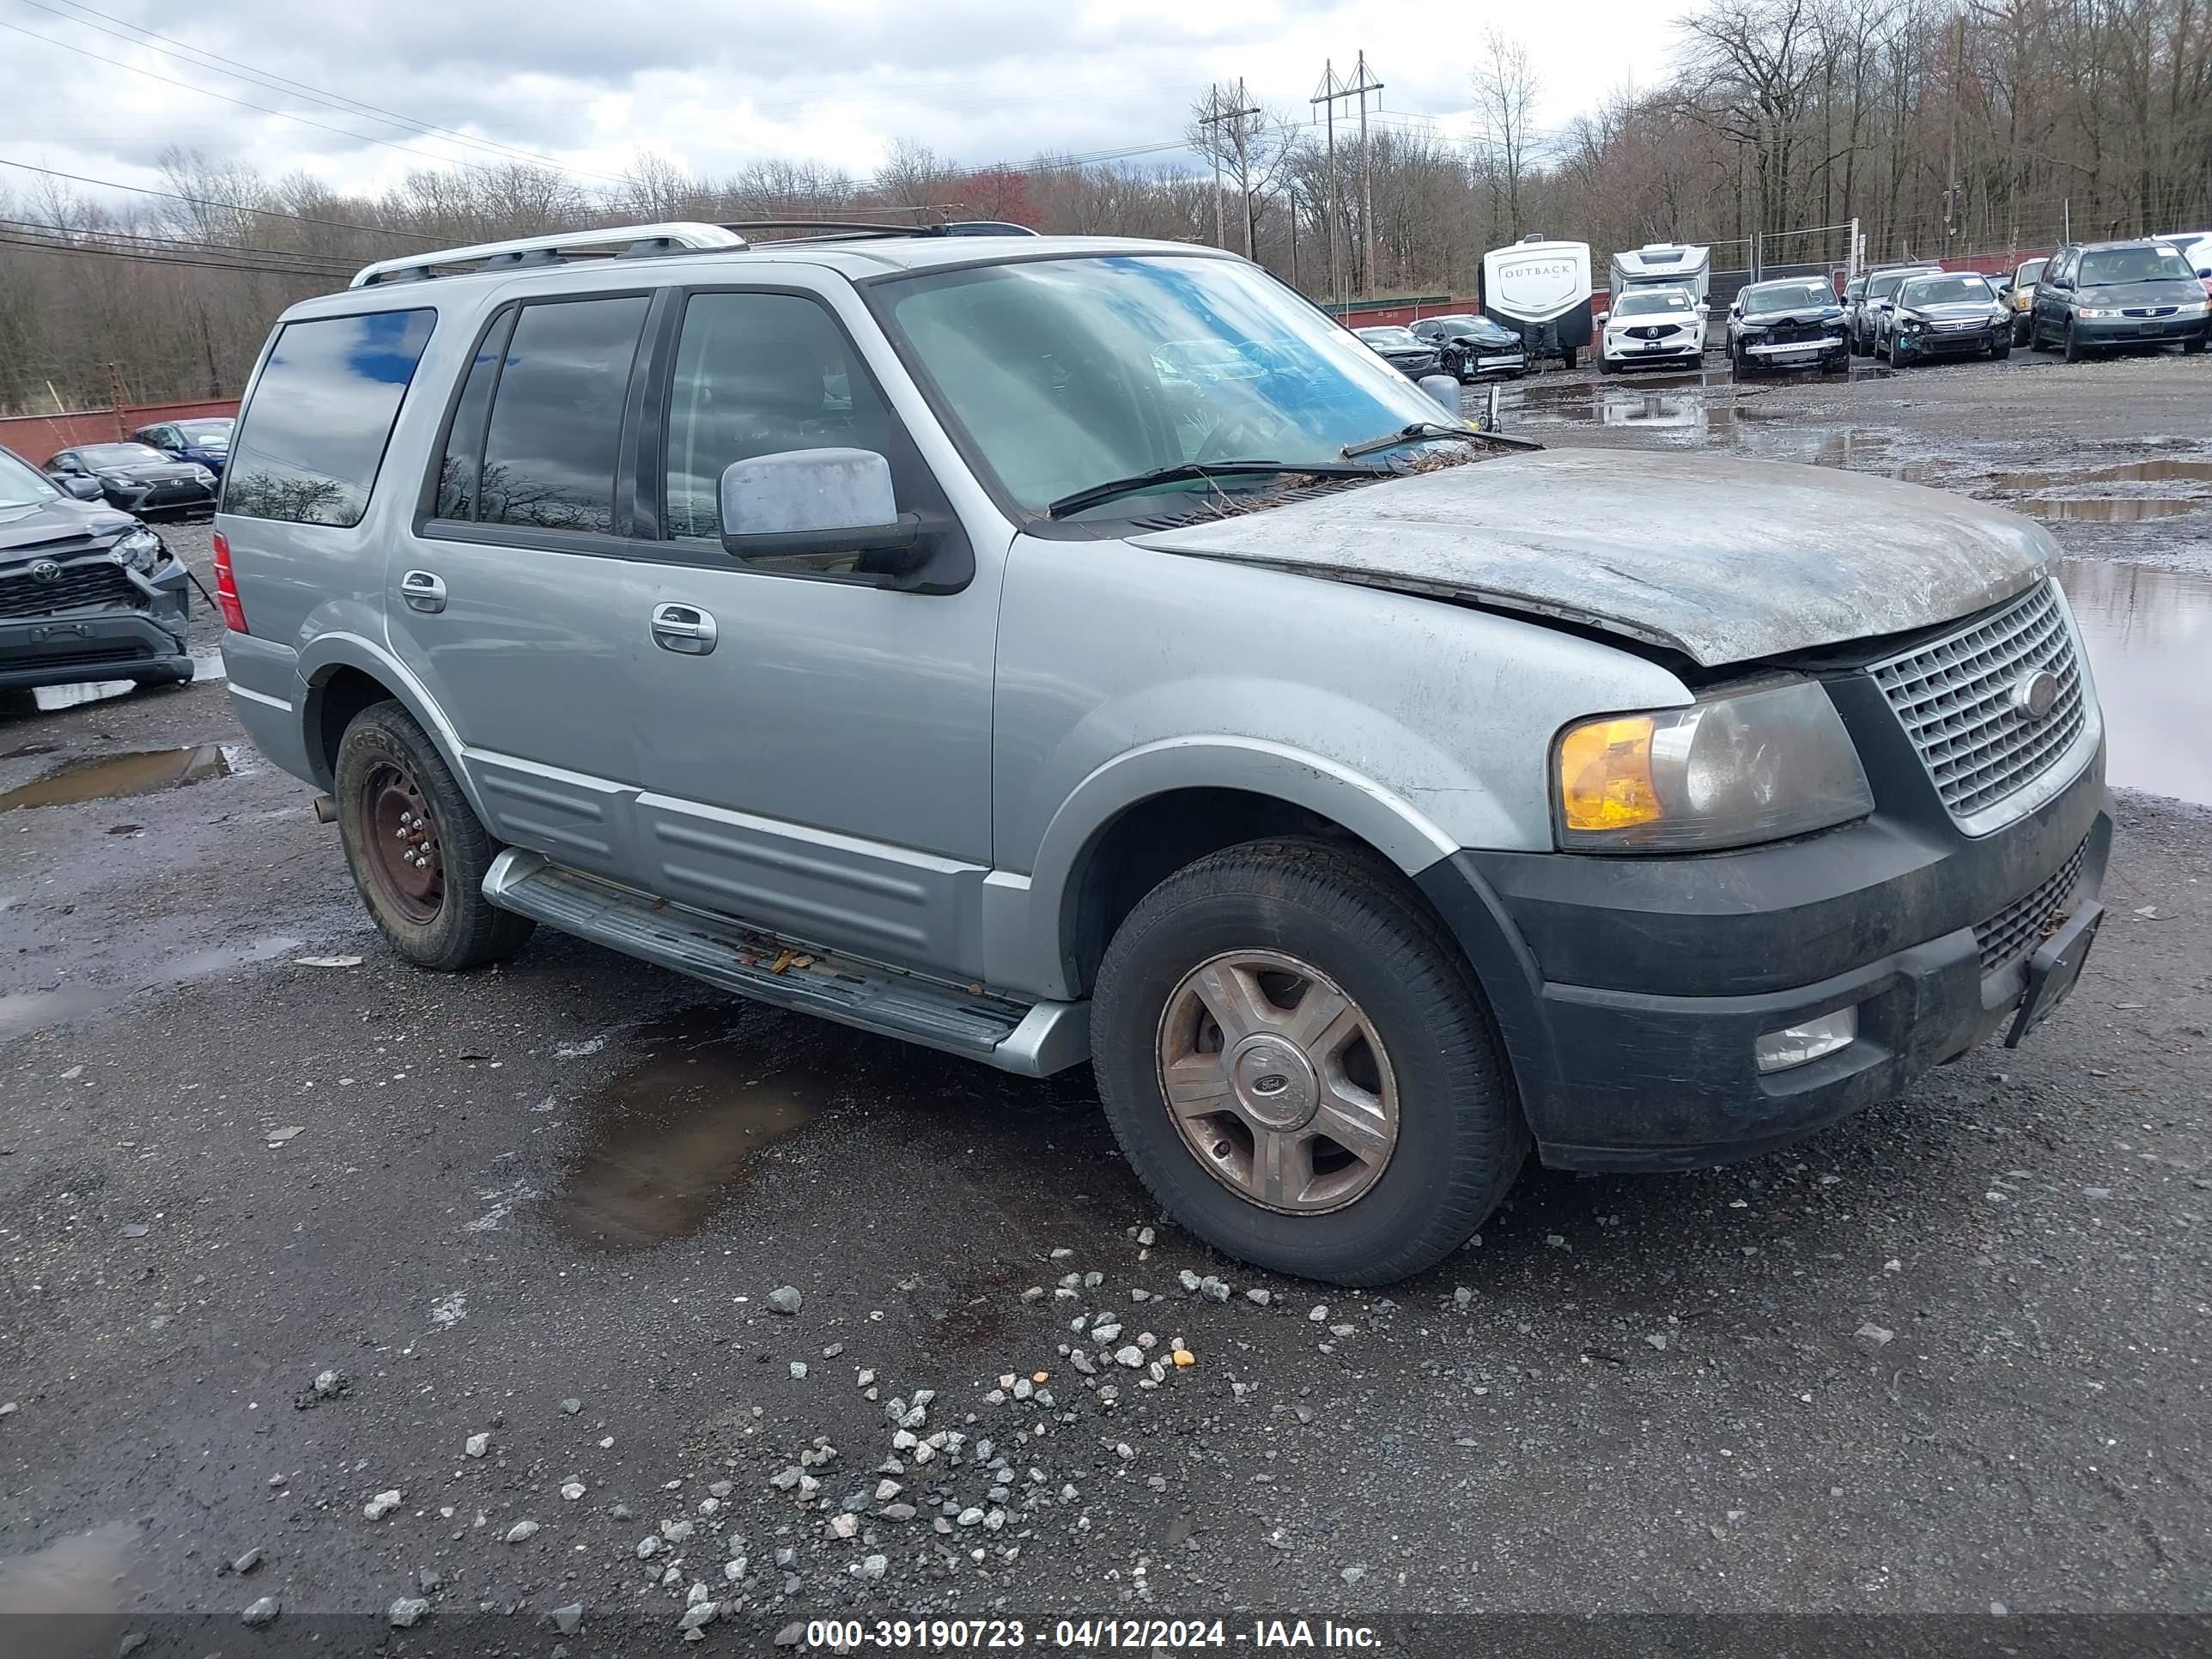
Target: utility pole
<point>1951,194</point>
<point>1332,91</point>
<point>1327,98</point>
<point>1238,112</point>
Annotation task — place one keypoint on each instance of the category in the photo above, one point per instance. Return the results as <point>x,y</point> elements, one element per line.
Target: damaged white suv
<point>889,625</point>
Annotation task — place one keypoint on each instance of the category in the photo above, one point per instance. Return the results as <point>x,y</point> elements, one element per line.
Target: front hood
<point>2137,294</point>
<point>1793,318</point>
<point>27,531</point>
<point>147,472</point>
<point>1958,311</point>
<point>1720,559</point>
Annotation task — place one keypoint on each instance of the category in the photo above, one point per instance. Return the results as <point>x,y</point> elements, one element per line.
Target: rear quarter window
<point>309,445</point>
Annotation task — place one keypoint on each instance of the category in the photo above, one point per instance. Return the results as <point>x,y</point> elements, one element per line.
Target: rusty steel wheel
<point>1278,1082</point>
<point>404,860</point>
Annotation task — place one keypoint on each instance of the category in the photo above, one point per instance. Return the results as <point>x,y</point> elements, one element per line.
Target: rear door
<point>513,598</point>
<point>822,767</point>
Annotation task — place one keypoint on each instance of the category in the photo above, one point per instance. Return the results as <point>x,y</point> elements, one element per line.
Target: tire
<point>2190,348</point>
<point>1566,357</point>
<point>1352,925</point>
<point>1999,351</point>
<point>2019,331</point>
<point>2072,347</point>
<point>1605,365</point>
<point>386,759</point>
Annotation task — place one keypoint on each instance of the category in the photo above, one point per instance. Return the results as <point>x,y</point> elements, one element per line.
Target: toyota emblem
<point>46,570</point>
<point>2036,693</point>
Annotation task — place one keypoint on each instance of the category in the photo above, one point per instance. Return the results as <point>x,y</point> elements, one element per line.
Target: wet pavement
<point>1944,1357</point>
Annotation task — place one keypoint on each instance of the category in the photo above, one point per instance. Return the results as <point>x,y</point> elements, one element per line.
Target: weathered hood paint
<point>1722,560</point>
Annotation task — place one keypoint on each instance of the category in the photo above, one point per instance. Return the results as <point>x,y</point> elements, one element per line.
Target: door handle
<point>684,627</point>
<point>423,591</point>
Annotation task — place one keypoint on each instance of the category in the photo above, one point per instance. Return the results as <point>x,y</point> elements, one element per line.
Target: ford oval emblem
<point>2036,693</point>
<point>46,570</point>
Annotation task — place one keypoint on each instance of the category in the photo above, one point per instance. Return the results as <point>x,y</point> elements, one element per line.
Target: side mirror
<point>1444,390</point>
<point>2204,273</point>
<point>77,484</point>
<point>823,506</point>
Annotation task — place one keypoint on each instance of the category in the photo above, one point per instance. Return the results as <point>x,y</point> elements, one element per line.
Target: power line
<point>243,103</point>
<point>72,250</point>
<point>227,207</point>
<point>321,95</point>
<point>308,263</point>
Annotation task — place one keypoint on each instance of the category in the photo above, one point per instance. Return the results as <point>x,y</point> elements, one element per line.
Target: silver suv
<point>891,626</point>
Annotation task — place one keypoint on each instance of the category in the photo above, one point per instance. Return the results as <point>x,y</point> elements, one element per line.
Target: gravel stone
<point>476,1445</point>
<point>786,1300</point>
<point>1132,1355</point>
<point>381,1505</point>
<point>565,1619</point>
<point>522,1532</point>
<point>572,1407</point>
<point>407,1611</point>
<point>262,1613</point>
<point>1257,1295</point>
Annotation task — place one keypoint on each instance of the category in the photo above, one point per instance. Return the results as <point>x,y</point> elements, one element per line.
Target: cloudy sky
<point>714,86</point>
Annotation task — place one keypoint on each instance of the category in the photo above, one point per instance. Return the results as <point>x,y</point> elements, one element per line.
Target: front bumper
<point>1655,351</point>
<point>168,496</point>
<point>1783,354</point>
<point>1630,991</point>
<point>139,635</point>
<point>1955,342</point>
<point>2139,330</point>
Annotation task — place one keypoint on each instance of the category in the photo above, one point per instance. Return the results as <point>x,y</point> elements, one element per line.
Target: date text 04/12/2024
<point>1137,1635</point>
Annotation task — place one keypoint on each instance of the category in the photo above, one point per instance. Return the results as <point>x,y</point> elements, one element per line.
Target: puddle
<point>46,1597</point>
<point>665,1141</point>
<point>2148,631</point>
<point>24,1012</point>
<point>2110,509</point>
<point>2161,471</point>
<point>118,777</point>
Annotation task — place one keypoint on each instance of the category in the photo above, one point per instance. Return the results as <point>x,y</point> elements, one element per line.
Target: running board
<point>1034,1041</point>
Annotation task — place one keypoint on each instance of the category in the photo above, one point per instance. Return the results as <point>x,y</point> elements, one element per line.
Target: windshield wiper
<point>1419,432</point>
<point>1427,431</point>
<point>1183,471</point>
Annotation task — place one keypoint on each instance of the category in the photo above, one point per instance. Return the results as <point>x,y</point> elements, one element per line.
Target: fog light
<point>1800,1045</point>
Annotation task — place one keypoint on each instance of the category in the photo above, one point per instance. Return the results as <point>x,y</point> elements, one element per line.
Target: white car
<point>1653,325</point>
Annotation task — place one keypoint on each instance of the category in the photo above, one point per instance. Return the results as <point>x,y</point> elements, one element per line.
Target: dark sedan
<point>1956,314</point>
<point>204,440</point>
<point>136,478</point>
<point>2109,294</point>
<point>1410,355</point>
<point>86,592</point>
<point>1469,347</point>
<point>1795,322</point>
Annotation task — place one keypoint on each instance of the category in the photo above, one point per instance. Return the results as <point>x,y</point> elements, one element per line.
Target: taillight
<point>226,587</point>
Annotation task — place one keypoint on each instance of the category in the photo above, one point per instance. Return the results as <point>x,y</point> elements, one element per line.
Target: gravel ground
<point>465,1291</point>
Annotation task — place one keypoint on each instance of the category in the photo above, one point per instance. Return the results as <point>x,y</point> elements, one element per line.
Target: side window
<point>759,374</point>
<point>461,469</point>
<point>309,446</point>
<point>549,451</point>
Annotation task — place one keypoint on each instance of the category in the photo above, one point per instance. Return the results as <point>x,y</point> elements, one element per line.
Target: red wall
<point>36,437</point>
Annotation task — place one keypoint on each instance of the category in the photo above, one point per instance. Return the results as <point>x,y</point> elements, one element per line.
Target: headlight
<point>141,549</point>
<point>1911,325</point>
<point>2192,308</point>
<point>2094,313</point>
<point>1733,770</point>
<point>202,474</point>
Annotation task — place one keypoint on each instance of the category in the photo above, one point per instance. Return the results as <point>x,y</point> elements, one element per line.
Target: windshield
<point>1945,291</point>
<point>205,432</point>
<point>118,454</point>
<point>1064,373</point>
<point>1787,296</point>
<point>1652,302</point>
<point>22,484</point>
<point>2113,266</point>
<point>1389,339</point>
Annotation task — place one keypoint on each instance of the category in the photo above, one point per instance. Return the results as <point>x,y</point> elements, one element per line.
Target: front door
<point>511,604</point>
<point>816,750</point>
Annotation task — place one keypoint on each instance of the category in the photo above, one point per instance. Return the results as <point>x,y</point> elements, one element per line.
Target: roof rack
<point>839,229</point>
<point>620,241</point>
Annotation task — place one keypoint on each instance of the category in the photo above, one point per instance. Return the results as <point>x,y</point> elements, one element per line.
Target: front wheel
<point>2001,350</point>
<point>2019,331</point>
<point>2073,347</point>
<point>2190,348</point>
<point>1298,1062</point>
<point>416,849</point>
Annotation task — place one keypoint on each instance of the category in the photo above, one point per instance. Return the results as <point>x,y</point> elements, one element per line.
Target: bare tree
<point>1506,88</point>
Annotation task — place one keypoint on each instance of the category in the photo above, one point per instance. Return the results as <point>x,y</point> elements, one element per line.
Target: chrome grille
<point>2017,930</point>
<point>88,582</point>
<point>1954,698</point>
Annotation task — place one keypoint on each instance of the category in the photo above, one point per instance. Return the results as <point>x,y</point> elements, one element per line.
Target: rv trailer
<point>1540,289</point>
<point>1672,264</point>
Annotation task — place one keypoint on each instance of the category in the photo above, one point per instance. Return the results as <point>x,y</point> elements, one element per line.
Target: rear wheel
<point>1297,1060</point>
<point>417,850</point>
<point>2019,331</point>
